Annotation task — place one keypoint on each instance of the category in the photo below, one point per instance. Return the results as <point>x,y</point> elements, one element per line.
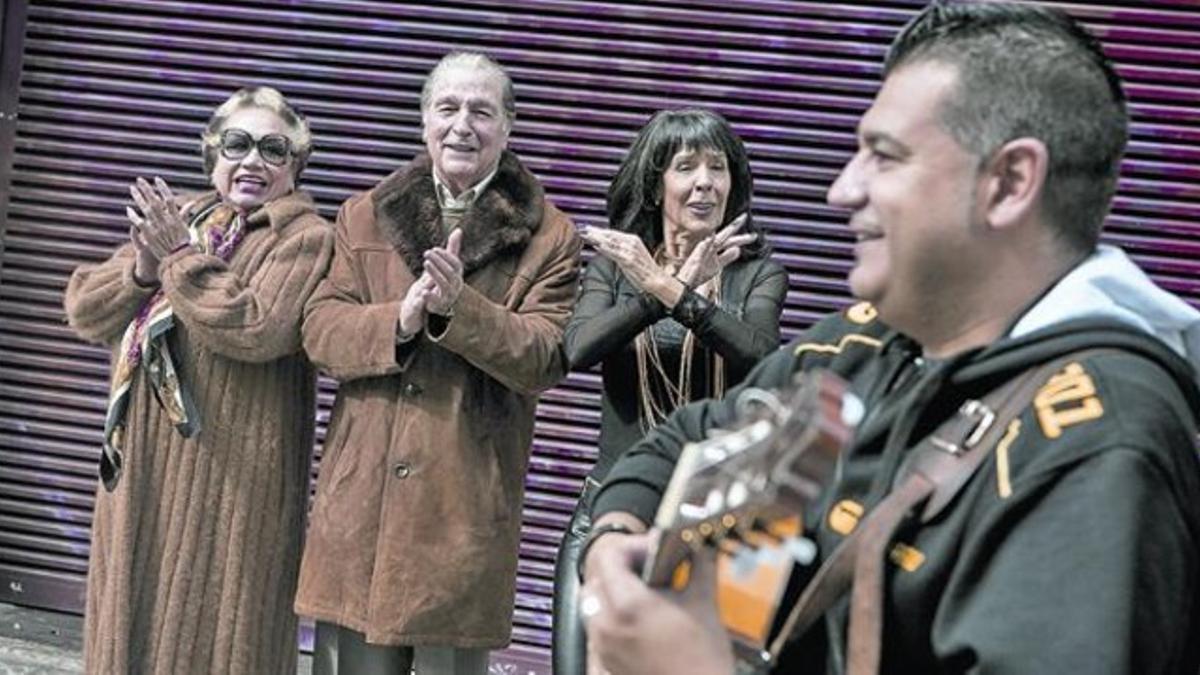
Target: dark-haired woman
<point>679,303</point>
<point>207,441</point>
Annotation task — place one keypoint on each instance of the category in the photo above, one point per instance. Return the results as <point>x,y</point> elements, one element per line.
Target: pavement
<point>41,642</point>
<point>38,642</point>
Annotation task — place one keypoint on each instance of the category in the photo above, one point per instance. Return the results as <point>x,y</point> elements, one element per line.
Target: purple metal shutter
<point>115,89</point>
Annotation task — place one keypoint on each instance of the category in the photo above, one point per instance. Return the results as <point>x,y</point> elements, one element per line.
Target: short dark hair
<point>267,98</point>
<point>1029,71</point>
<point>634,196</point>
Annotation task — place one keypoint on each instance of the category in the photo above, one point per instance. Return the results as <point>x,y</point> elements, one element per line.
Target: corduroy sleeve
<point>101,299</point>
<point>255,319</point>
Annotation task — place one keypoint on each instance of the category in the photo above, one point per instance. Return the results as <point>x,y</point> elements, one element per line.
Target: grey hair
<point>1029,72</point>
<point>474,60</point>
<point>267,98</point>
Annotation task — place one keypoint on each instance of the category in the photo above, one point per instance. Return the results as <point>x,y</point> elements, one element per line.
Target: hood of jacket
<point>1109,285</point>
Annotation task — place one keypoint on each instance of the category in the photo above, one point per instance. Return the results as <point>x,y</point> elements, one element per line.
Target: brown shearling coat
<point>194,555</point>
<point>413,536</point>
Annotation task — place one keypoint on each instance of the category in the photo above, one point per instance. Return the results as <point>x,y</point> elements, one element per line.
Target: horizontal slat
<point>80,464</point>
<point>111,91</point>
<point>73,563</point>
<point>50,547</point>
<point>56,528</point>
<point>39,514</point>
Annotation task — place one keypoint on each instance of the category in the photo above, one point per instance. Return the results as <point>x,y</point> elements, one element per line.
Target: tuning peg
<point>728,538</point>
<point>802,549</point>
<point>737,494</point>
<point>853,409</point>
<point>753,398</point>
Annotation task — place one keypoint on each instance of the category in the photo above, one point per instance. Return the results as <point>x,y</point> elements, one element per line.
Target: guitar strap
<point>934,472</point>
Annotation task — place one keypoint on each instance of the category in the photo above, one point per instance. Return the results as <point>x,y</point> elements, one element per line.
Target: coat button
<point>401,470</point>
<point>412,389</point>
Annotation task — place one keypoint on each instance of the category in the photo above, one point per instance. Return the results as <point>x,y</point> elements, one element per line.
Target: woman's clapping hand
<point>628,252</point>
<point>712,254</point>
<point>158,230</point>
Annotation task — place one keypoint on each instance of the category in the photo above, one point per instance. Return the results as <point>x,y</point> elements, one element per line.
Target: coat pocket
<point>502,505</point>
<point>332,468</point>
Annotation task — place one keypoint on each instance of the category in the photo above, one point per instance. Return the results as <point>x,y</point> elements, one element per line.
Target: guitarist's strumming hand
<point>635,629</point>
<point>617,524</point>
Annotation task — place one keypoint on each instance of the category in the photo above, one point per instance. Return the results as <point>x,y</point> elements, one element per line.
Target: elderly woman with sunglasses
<point>207,439</point>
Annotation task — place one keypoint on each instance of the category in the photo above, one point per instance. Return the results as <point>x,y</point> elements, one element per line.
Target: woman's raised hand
<point>630,254</point>
<point>713,253</point>
<point>159,229</point>
<point>145,265</point>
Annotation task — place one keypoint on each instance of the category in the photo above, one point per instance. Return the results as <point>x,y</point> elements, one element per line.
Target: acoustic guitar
<point>743,492</point>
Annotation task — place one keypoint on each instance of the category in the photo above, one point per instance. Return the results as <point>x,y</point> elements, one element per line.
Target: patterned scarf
<point>215,230</point>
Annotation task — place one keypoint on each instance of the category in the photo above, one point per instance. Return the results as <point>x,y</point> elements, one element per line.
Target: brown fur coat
<point>413,536</point>
<point>194,554</point>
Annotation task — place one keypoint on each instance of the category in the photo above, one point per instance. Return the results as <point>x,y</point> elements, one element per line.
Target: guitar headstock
<point>752,482</point>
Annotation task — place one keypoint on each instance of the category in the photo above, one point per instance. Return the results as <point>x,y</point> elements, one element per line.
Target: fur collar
<point>278,213</point>
<point>505,216</point>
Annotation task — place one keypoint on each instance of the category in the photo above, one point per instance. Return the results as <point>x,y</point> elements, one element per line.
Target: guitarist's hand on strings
<point>632,628</point>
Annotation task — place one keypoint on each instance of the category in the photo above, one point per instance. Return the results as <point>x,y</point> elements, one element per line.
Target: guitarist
<point>985,168</point>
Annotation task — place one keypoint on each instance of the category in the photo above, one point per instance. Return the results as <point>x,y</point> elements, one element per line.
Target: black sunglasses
<point>273,148</point>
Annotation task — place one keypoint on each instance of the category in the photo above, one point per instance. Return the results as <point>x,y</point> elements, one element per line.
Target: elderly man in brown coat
<point>441,318</point>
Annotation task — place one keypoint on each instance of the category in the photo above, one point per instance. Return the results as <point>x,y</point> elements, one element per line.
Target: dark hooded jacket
<point>1074,548</point>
